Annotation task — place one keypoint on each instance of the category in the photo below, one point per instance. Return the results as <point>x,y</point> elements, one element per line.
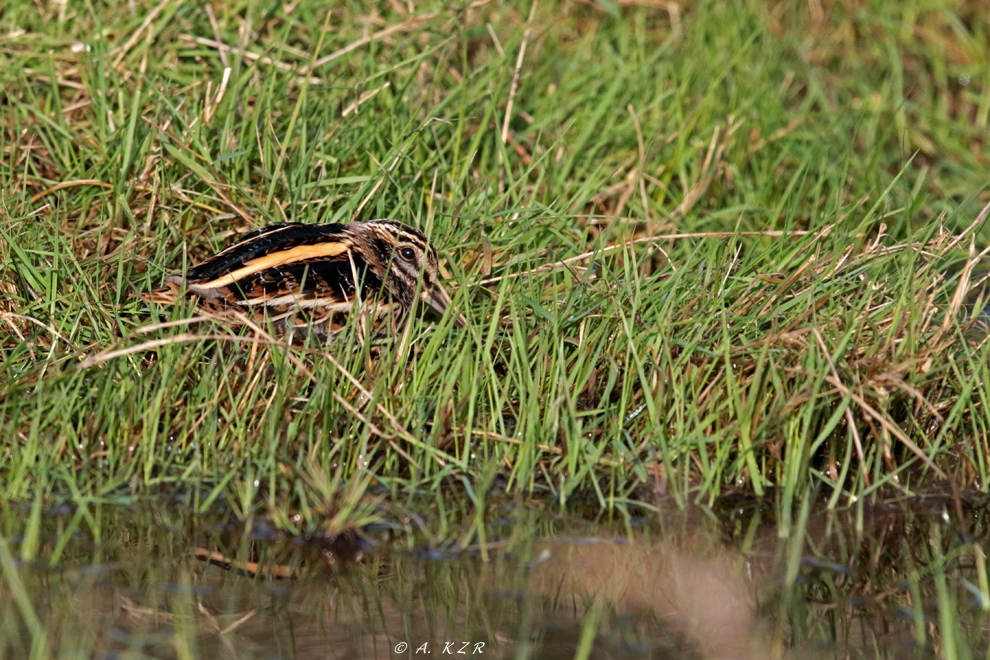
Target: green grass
<point>719,248</point>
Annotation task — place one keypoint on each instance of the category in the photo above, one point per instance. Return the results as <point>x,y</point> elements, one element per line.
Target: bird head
<point>405,255</point>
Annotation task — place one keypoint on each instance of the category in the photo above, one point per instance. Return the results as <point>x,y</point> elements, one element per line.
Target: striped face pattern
<point>310,278</point>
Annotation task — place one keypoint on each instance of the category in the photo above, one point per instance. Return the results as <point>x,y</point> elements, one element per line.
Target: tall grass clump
<point>708,248</point>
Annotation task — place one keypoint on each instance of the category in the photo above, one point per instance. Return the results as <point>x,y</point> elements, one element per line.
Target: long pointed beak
<point>438,300</point>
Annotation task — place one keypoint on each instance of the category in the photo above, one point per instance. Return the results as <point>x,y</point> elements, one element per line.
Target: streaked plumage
<point>311,277</point>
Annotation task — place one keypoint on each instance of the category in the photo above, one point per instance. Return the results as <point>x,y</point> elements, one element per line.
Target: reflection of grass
<point>553,587</point>
<point>724,246</point>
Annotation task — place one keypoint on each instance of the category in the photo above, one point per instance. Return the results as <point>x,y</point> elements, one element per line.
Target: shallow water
<point>872,582</point>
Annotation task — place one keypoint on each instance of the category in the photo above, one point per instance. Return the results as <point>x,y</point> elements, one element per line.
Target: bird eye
<point>407,253</point>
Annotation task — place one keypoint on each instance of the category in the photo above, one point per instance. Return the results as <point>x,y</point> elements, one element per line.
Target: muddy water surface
<point>871,582</point>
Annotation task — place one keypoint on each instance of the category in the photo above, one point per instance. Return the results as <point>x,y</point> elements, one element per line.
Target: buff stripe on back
<point>278,258</point>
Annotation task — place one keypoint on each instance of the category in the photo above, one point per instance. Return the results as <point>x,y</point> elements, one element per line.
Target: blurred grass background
<point>705,248</point>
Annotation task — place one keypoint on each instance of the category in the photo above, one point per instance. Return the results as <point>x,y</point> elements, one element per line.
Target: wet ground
<point>889,581</point>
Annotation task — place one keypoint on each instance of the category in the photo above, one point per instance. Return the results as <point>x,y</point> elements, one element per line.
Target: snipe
<point>311,278</point>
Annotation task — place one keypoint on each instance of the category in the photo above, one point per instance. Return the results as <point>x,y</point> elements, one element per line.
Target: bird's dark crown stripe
<point>386,243</point>
<point>406,237</point>
<point>397,229</point>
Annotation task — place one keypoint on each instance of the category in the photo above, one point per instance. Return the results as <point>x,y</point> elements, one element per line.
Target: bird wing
<point>309,274</point>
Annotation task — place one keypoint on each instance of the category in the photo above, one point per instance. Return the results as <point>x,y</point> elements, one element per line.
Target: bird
<point>310,278</point>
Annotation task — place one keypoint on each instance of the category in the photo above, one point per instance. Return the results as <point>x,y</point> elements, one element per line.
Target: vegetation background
<point>727,253</point>
<point>706,248</point>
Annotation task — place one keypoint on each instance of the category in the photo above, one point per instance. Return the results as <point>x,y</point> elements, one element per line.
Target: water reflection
<point>875,583</point>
